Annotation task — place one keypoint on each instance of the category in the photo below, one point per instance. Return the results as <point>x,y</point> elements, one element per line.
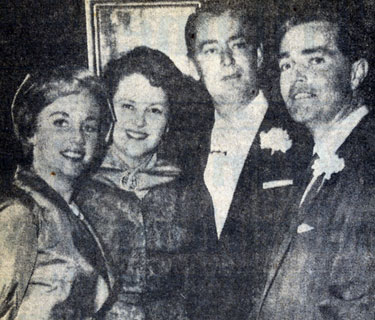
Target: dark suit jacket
<point>329,271</point>
<point>228,273</point>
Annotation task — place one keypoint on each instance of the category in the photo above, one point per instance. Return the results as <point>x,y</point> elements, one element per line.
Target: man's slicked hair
<point>248,11</point>
<point>351,38</point>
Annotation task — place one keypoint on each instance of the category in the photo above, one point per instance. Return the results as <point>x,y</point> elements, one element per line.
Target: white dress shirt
<point>329,140</point>
<point>231,140</point>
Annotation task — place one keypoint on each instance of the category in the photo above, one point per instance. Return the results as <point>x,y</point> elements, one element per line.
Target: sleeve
<point>352,284</point>
<point>18,247</point>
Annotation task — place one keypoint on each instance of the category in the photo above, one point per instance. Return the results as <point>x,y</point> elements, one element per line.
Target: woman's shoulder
<point>19,222</point>
<point>17,205</point>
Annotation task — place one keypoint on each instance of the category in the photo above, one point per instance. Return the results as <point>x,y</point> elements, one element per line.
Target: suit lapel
<point>274,268</point>
<point>348,151</point>
<point>249,180</point>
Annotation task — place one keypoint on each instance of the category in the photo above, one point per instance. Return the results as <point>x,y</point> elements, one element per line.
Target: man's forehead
<point>306,36</point>
<point>219,27</point>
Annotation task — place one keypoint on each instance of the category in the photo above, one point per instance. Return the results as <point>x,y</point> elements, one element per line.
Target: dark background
<point>39,34</point>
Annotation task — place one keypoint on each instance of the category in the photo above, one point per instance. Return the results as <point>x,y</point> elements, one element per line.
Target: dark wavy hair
<point>154,65</point>
<point>40,90</point>
<point>351,37</point>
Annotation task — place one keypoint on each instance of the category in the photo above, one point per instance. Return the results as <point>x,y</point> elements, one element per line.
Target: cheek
<point>210,68</point>
<point>92,142</point>
<point>157,127</point>
<point>248,63</point>
<point>284,85</point>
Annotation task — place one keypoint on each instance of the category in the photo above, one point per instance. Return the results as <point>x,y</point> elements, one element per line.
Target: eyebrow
<point>91,118</point>
<point>203,43</point>
<point>308,51</point>
<point>163,104</point>
<point>126,101</point>
<point>322,49</point>
<point>61,113</point>
<point>236,37</point>
<point>283,55</point>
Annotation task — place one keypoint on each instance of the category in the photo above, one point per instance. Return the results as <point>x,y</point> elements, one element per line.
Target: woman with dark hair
<point>143,87</point>
<point>53,265</point>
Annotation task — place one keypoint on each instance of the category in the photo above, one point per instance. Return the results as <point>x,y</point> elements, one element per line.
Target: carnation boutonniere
<point>275,139</point>
<point>328,165</point>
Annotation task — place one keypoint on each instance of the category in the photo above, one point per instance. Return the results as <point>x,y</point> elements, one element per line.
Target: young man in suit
<point>248,164</point>
<point>325,268</point>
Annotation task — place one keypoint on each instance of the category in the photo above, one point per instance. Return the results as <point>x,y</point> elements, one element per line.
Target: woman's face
<point>142,116</point>
<point>66,135</point>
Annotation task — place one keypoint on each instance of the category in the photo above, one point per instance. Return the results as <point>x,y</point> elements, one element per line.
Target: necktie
<point>314,185</point>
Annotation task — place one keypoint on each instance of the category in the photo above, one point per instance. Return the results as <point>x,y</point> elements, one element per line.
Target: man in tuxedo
<point>248,163</point>
<point>325,268</point>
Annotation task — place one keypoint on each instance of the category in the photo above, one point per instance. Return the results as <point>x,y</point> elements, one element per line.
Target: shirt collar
<point>329,141</point>
<point>244,118</point>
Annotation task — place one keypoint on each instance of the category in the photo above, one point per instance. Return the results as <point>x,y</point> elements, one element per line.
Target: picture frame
<point>115,27</point>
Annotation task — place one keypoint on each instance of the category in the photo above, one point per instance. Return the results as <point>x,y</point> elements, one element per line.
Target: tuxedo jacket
<point>227,273</point>
<point>328,271</point>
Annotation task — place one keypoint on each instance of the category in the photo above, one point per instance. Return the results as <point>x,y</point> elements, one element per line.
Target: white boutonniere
<point>275,139</point>
<point>328,165</point>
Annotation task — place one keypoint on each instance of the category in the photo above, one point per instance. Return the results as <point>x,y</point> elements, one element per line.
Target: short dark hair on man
<point>248,11</point>
<point>351,37</point>
<point>41,89</point>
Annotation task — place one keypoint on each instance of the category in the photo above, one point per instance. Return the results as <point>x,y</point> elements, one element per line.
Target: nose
<point>140,119</point>
<point>77,135</point>
<point>227,57</point>
<point>300,72</point>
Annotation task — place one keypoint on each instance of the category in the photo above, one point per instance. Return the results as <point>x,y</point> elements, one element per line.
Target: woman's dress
<point>52,265</point>
<point>146,235</point>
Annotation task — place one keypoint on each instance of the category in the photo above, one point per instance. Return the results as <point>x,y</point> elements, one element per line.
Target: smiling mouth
<point>136,135</point>
<point>73,155</point>
<point>233,76</point>
<point>303,95</point>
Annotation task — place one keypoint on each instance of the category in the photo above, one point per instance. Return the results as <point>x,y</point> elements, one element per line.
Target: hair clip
<point>19,89</point>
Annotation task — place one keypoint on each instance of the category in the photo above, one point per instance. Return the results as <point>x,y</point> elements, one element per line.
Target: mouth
<point>136,135</point>
<point>233,76</point>
<point>73,155</point>
<point>303,95</point>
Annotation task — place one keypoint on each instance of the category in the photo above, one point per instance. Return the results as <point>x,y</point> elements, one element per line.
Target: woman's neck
<point>125,161</point>
<point>62,184</point>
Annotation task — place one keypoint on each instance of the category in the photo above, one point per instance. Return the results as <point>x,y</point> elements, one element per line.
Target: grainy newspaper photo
<point>187,160</point>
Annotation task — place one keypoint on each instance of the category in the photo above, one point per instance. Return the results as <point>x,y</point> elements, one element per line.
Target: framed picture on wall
<point>115,27</point>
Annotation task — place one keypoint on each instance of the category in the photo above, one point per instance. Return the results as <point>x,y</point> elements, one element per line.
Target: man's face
<point>315,76</point>
<point>224,58</point>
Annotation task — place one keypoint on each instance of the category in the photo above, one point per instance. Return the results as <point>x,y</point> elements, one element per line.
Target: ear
<point>358,73</point>
<point>260,56</point>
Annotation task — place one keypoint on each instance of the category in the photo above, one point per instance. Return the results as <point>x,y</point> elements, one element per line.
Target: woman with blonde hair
<point>53,265</point>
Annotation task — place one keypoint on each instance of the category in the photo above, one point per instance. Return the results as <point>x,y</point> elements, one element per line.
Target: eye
<point>156,109</point>
<point>317,60</point>
<point>61,123</point>
<point>89,128</point>
<point>239,45</point>
<point>127,106</point>
<point>210,51</point>
<point>284,66</point>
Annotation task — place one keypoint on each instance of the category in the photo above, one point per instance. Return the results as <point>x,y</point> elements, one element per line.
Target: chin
<point>73,172</point>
